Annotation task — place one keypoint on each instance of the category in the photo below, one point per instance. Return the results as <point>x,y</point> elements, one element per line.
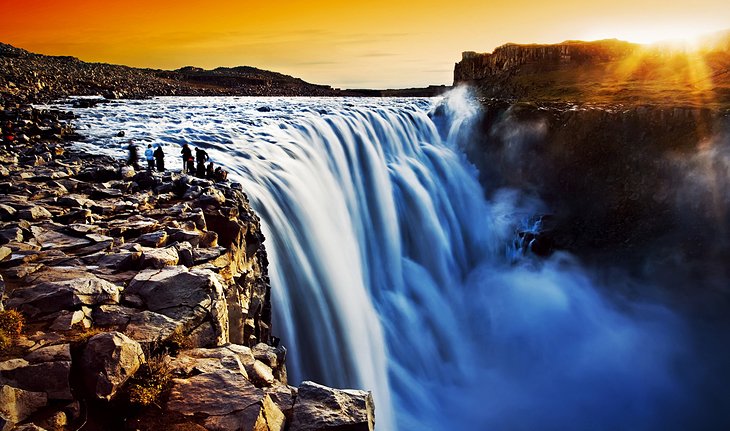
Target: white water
<point>391,272</point>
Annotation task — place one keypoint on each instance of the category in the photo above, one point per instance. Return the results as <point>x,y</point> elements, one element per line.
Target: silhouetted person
<point>8,134</point>
<point>149,155</point>
<point>187,157</point>
<point>220,174</point>
<point>160,158</point>
<point>133,157</point>
<point>201,156</point>
<point>209,172</point>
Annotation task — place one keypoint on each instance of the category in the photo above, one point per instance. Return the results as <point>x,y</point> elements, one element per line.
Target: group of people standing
<point>196,166</point>
<point>191,165</point>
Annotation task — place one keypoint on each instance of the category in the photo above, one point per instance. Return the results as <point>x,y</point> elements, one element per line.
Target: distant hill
<point>604,72</point>
<point>27,77</point>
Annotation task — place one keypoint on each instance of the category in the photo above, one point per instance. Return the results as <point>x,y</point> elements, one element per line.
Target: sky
<point>346,44</point>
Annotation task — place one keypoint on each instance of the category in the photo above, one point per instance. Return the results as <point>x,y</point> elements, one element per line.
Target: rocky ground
<point>144,298</point>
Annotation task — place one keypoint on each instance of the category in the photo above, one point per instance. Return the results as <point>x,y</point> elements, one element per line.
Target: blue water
<point>392,272</point>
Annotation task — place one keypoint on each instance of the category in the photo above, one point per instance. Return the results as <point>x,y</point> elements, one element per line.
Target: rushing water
<point>392,272</point>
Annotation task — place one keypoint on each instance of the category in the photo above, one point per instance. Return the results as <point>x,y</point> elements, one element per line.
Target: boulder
<point>58,352</point>
<point>49,297</point>
<point>16,405</point>
<point>107,362</point>
<point>2,293</point>
<point>319,408</point>
<point>13,234</point>
<point>51,239</point>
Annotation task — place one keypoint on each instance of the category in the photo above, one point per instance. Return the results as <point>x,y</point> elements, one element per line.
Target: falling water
<point>392,272</point>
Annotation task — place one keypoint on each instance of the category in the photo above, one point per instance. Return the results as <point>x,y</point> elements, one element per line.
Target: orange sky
<point>347,44</point>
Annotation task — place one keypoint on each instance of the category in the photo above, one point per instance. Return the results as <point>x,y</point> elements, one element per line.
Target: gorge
<point>504,256</point>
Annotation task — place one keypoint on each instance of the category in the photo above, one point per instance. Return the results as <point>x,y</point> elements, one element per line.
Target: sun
<point>680,35</point>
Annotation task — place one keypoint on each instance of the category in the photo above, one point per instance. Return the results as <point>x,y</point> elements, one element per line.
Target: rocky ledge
<point>143,298</point>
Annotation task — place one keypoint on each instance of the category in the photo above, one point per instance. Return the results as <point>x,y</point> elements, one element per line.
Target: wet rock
<point>108,361</point>
<point>319,408</point>
<point>16,405</point>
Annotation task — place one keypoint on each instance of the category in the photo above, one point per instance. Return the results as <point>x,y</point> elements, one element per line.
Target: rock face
<point>606,72</point>
<point>319,408</point>
<point>147,293</point>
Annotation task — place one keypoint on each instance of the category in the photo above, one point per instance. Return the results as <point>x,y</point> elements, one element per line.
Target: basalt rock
<point>82,254</point>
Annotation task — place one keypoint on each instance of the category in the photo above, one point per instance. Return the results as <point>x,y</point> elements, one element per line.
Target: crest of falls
<point>392,272</point>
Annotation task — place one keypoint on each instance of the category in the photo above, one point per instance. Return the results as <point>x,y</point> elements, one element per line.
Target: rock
<point>57,240</point>
<point>148,327</point>
<point>319,408</point>
<point>13,234</point>
<point>59,352</point>
<point>185,253</point>
<point>16,405</point>
<point>49,297</point>
<point>153,239</point>
<point>261,374</point>
<point>7,213</point>
<point>2,293</point>
<point>191,296</point>
<point>52,378</point>
<point>217,393</point>
<point>68,319</point>
<point>108,361</point>
<point>127,172</point>
<point>160,258</point>
<point>121,261</point>
<point>6,251</point>
<point>212,196</point>
<point>179,235</point>
<point>34,213</point>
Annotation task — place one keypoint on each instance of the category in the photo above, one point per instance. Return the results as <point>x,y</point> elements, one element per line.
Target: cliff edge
<point>606,72</point>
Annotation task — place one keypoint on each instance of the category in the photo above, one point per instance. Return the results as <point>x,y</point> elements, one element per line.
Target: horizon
<point>380,45</point>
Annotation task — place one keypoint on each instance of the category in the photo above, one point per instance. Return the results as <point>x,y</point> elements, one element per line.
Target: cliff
<point>138,300</point>
<point>607,72</point>
<point>643,188</point>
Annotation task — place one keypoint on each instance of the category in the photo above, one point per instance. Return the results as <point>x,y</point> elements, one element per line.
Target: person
<point>220,174</point>
<point>8,135</point>
<point>160,158</point>
<point>187,156</point>
<point>209,172</point>
<point>201,156</point>
<point>149,155</point>
<point>133,157</point>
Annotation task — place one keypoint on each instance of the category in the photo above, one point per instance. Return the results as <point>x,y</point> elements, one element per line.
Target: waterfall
<point>392,272</point>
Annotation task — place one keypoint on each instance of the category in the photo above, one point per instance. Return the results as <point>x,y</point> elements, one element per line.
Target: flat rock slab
<point>51,378</point>
<point>49,239</point>
<point>213,394</point>
<point>50,297</point>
